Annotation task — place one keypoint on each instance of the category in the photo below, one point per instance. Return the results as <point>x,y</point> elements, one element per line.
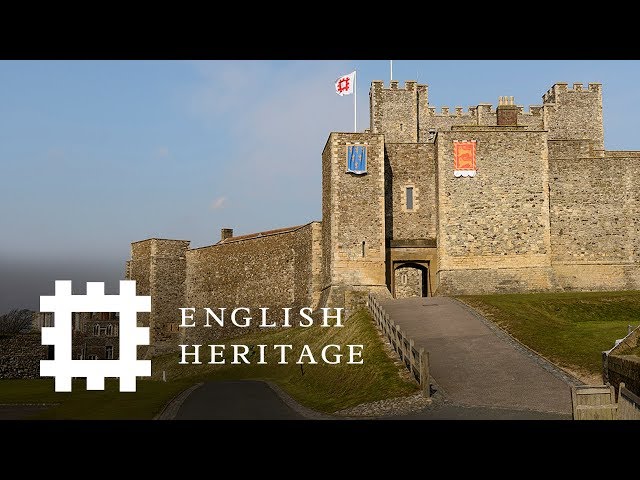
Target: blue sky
<point>97,154</point>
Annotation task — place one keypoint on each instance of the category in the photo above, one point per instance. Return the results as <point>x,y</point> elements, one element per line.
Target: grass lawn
<point>323,387</point>
<point>145,403</point>
<point>326,388</point>
<point>570,329</point>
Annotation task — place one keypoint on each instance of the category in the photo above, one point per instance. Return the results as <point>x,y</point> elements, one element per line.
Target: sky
<point>97,154</point>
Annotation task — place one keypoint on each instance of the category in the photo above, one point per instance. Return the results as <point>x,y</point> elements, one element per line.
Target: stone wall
<point>595,210</point>
<point>408,282</point>
<point>481,281</point>
<point>410,165</point>
<point>498,219</point>
<point>624,368</point>
<point>274,271</point>
<point>20,355</point>
<point>572,149</point>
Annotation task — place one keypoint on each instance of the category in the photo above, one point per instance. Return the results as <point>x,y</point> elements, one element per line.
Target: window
<point>109,352</point>
<point>76,319</point>
<point>109,330</point>
<point>96,329</point>
<point>409,193</point>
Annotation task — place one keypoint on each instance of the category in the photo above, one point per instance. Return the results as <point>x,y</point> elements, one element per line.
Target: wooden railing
<point>628,404</point>
<point>415,359</point>
<point>598,403</point>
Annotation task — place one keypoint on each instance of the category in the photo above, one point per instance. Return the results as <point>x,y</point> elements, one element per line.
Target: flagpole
<point>355,110</point>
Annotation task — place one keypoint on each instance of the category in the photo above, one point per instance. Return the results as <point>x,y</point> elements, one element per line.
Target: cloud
<point>55,153</point>
<point>162,152</point>
<point>218,203</point>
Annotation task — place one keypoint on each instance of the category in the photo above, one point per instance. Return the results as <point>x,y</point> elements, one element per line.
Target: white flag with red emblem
<point>345,85</point>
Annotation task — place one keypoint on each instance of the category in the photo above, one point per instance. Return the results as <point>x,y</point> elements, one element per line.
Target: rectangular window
<point>109,352</point>
<point>409,198</point>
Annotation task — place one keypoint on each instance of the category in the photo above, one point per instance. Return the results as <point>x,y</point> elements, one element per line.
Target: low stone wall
<point>20,356</point>
<point>619,366</point>
<point>624,368</point>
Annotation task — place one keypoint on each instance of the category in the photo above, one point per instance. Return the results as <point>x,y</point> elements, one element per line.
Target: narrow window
<point>409,198</point>
<point>96,330</point>
<point>109,352</point>
<point>110,330</point>
<point>401,127</point>
<point>363,248</point>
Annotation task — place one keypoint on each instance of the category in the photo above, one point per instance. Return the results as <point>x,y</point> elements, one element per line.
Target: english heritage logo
<point>63,367</point>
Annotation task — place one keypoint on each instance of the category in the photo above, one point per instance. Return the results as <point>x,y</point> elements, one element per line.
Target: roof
<point>266,233</point>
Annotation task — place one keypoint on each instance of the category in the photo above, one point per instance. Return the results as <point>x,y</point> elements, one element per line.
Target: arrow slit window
<point>409,192</point>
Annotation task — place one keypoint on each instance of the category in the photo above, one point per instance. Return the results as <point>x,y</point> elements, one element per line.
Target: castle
<point>488,200</point>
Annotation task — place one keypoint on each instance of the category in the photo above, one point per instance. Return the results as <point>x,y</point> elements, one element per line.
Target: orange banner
<point>464,158</point>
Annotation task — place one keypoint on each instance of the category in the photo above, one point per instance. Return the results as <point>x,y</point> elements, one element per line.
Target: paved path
<point>235,400</point>
<point>476,365</point>
<point>256,400</point>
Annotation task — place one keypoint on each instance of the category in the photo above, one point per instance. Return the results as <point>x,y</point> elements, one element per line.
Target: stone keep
<point>547,209</point>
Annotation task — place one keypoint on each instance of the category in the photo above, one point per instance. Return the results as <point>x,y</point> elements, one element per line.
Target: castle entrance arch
<point>411,280</point>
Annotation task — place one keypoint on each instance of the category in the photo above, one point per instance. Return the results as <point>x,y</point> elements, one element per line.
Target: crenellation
<point>410,85</point>
<point>549,97</point>
<point>452,112</point>
<point>535,109</point>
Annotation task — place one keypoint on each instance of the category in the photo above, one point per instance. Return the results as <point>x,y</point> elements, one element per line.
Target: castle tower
<point>394,111</point>
<point>353,219</point>
<point>159,268</point>
<point>575,113</point>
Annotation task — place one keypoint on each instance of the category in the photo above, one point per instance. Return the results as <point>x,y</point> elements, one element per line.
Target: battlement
<point>452,112</point>
<point>485,108</point>
<point>563,87</point>
<point>409,86</point>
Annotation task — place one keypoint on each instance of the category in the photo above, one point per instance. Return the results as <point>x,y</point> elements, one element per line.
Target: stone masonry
<point>548,209</point>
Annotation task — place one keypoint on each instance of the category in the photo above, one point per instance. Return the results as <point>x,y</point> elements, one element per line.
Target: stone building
<point>429,202</point>
<point>94,335</point>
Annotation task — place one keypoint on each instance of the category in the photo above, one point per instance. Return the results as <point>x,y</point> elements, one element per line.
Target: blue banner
<point>357,159</point>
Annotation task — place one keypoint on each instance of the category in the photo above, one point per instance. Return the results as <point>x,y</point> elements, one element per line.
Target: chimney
<point>226,233</point>
<point>507,111</point>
